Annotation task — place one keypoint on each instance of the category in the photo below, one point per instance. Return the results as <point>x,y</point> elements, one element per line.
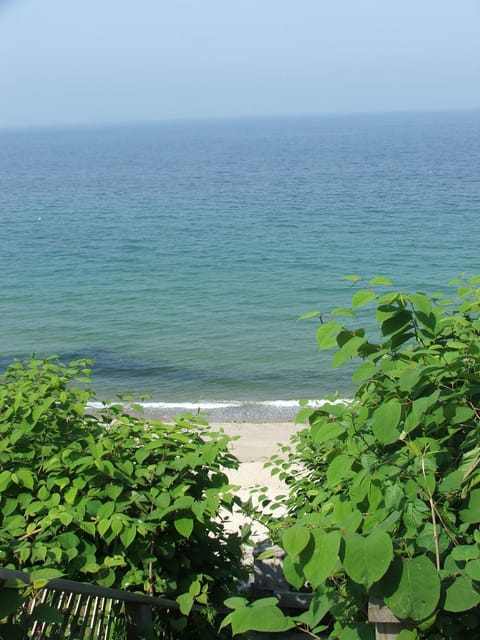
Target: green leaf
<point>408,634</point>
<point>310,314</point>
<point>326,334</point>
<point>409,378</point>
<point>5,480</point>
<point>385,421</point>
<point>393,496</point>
<point>295,539</point>
<point>103,526</point>
<point>39,409</point>
<point>381,280</point>
<point>452,482</point>
<point>235,602</point>
<point>462,414</point>
<point>185,601</point>
<point>116,525</point>
<point>128,535</point>
<point>303,415</point>
<point>471,514</point>
<point>465,552</point>
<point>324,431</point>
<point>411,588</point>
<point>90,567</point>
<point>419,411</point>
<point>362,297</point>
<point>339,469</point>
<point>320,605</point>
<point>348,350</point>
<point>45,574</point>
<point>365,371</point>
<point>472,569</point>
<point>70,495</point>
<point>293,572</point>
<point>25,477</point>
<point>343,312</point>
<point>184,526</point>
<point>115,561</point>
<point>106,510</point>
<point>324,557</point>
<point>397,322</point>
<point>266,617</point>
<point>367,558</point>
<point>461,595</point>
<point>426,314</point>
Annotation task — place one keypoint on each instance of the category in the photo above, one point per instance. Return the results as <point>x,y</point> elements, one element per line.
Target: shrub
<point>387,503</point>
<point>112,498</point>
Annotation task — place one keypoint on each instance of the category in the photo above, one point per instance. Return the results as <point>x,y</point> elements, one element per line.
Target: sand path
<point>256,443</point>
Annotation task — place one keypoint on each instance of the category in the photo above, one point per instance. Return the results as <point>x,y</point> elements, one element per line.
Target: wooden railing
<point>88,612</point>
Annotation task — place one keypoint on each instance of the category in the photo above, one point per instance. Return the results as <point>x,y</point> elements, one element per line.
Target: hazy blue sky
<point>83,61</point>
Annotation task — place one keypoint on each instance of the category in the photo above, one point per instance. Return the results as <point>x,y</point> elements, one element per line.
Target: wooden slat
<point>387,625</point>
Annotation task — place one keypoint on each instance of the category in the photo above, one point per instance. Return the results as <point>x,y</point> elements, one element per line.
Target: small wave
<point>230,410</point>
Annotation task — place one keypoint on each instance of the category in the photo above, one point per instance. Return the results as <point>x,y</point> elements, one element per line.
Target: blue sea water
<point>179,255</point>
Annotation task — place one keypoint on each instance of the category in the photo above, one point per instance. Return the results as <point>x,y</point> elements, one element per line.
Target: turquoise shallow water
<point>179,255</point>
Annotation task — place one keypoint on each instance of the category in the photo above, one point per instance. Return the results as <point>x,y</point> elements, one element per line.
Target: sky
<point>106,61</point>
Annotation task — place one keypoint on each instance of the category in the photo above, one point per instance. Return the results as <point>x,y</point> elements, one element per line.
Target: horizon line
<point>225,118</point>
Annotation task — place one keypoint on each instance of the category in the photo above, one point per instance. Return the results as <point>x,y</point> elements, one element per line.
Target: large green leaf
<point>362,297</point>
<point>397,321</point>
<point>293,572</point>
<point>471,514</point>
<point>325,431</point>
<point>461,595</point>
<point>339,469</point>
<point>348,350</point>
<point>295,539</point>
<point>418,410</point>
<point>472,569</point>
<point>367,558</point>
<point>326,334</point>
<point>324,558</point>
<point>264,615</point>
<point>128,534</point>
<point>411,588</point>
<point>363,372</point>
<point>5,480</point>
<point>385,421</point>
<point>381,280</point>
<point>184,526</point>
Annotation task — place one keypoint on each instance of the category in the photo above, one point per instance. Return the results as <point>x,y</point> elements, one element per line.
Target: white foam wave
<point>230,410</point>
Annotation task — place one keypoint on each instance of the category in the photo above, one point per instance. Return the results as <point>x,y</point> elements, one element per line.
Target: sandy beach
<point>256,443</point>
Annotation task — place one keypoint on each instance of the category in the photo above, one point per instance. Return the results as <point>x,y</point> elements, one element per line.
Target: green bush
<point>384,495</point>
<point>110,498</point>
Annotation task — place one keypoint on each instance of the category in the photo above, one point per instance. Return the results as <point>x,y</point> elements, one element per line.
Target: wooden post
<point>387,626</point>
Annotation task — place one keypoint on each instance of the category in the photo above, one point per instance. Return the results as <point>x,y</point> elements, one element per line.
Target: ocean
<point>179,255</point>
